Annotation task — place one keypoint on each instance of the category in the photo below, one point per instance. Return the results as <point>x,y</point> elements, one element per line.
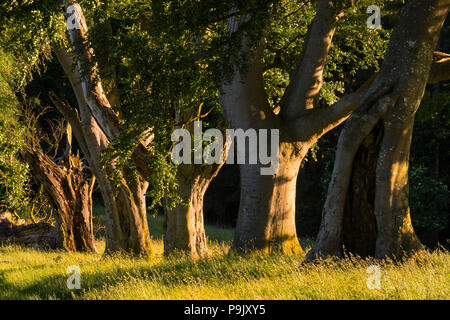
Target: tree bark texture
<point>184,230</point>
<point>69,193</point>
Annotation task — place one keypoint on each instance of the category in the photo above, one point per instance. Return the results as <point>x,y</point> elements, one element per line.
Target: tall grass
<point>31,274</point>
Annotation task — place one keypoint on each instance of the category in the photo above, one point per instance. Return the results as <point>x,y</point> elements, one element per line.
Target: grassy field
<point>30,274</point>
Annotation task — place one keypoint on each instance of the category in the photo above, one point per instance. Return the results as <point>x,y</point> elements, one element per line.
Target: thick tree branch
<point>316,122</point>
<point>440,69</point>
<point>88,123</point>
<point>243,98</point>
<point>88,91</point>
<point>307,77</point>
<point>71,116</point>
<point>141,155</point>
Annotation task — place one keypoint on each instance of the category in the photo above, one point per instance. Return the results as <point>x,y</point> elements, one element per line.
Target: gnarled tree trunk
<point>376,141</point>
<point>124,199</point>
<point>95,127</point>
<point>359,224</point>
<point>69,193</point>
<point>184,229</point>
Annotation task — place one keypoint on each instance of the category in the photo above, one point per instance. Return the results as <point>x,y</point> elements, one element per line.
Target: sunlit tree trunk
<point>370,177</point>
<point>266,219</point>
<point>95,126</point>
<point>184,230</point>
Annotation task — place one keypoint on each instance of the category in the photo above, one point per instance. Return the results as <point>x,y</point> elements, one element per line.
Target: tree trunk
<point>395,234</point>
<point>391,102</point>
<point>95,128</point>
<point>266,219</point>
<point>184,229</point>
<point>124,197</point>
<point>69,192</point>
<point>389,233</point>
<point>126,216</point>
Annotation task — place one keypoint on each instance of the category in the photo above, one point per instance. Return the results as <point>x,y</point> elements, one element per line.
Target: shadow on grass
<point>221,270</point>
<point>156,227</point>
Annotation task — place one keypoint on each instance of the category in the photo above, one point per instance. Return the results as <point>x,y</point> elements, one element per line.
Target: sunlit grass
<point>31,274</point>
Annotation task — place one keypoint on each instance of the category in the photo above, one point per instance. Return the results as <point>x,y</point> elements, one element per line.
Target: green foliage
<point>429,201</point>
<point>432,134</point>
<point>355,48</point>
<point>13,173</point>
<point>27,29</point>
<point>356,52</point>
<point>14,181</point>
<point>430,155</point>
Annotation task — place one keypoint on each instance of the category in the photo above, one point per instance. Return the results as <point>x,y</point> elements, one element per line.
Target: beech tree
<point>94,123</point>
<point>266,218</point>
<point>163,92</point>
<point>184,229</point>
<point>153,91</point>
<point>367,208</point>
